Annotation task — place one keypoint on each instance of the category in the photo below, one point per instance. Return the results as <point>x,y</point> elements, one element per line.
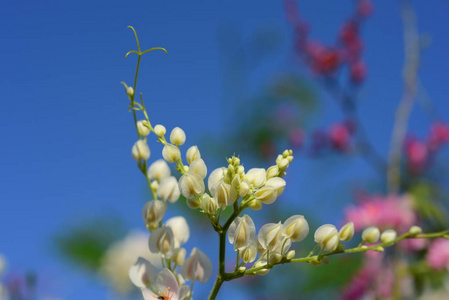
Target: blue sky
<point>64,122</point>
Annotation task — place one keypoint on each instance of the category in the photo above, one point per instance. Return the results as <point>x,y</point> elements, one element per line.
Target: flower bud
<point>169,189</point>
<point>198,167</point>
<point>261,263</point>
<point>241,232</point>
<point>143,128</point>
<point>142,273</point>
<point>177,136</point>
<point>273,188</point>
<point>140,151</point>
<point>192,154</point>
<point>242,269</point>
<point>256,177</point>
<point>158,170</point>
<point>179,256</point>
<point>388,236</point>
<point>270,236</point>
<point>296,228</point>
<point>159,130</point>
<point>290,254</point>
<point>154,185</point>
<point>283,163</point>
<point>197,267</point>
<point>255,204</point>
<point>171,153</point>
<point>415,230</point>
<point>153,211</point>
<point>275,257</point>
<point>371,235</point>
<point>209,205</point>
<point>162,241</point>
<point>191,184</point>
<point>347,232</point>
<point>243,189</point>
<point>130,92</point>
<point>193,203</point>
<point>327,237</point>
<point>180,228</point>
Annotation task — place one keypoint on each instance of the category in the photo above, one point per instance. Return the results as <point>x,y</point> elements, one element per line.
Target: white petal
<point>180,228</point>
<point>198,167</point>
<point>166,281</point>
<point>142,273</point>
<point>256,176</point>
<point>214,178</point>
<point>149,295</point>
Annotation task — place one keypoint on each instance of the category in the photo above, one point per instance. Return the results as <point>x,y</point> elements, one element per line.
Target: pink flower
<point>386,212</point>
<point>439,135</point>
<point>417,155</point>
<point>438,254</point>
<point>340,136</point>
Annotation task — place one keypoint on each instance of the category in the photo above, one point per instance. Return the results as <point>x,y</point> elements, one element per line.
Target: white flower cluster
<point>271,243</point>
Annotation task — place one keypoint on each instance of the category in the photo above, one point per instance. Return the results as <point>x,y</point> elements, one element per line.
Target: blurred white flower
<point>171,153</point>
<point>346,232</point>
<point>169,189</point>
<point>153,211</point>
<point>142,128</point>
<point>162,241</point>
<point>197,267</point>
<point>140,151</point>
<point>121,255</point>
<point>371,234</point>
<point>180,228</point>
<point>159,130</point>
<point>159,170</point>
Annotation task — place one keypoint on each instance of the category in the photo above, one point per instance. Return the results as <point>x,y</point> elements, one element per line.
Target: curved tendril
<point>132,51</point>
<point>137,39</point>
<point>155,48</point>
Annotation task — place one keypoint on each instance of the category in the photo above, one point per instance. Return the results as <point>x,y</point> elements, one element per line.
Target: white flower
<point>180,228</point>
<point>214,178</point>
<point>162,241</point>
<point>153,211</point>
<point>388,236</point>
<point>197,267</point>
<point>191,184</point>
<point>142,273</point>
<point>169,189</point>
<point>142,128</point>
<point>177,136</point>
<point>270,236</point>
<point>171,153</point>
<point>272,171</point>
<point>2,264</point>
<point>209,205</point>
<point>256,177</point>
<point>346,232</point>
<point>198,167</point>
<point>273,188</point>
<point>121,255</point>
<point>158,170</point>
<point>249,253</point>
<point>261,263</point>
<point>371,234</point>
<point>241,232</point>
<point>225,194</point>
<point>296,228</point>
<point>159,130</point>
<point>167,288</point>
<point>192,154</point>
<point>140,151</point>
<point>327,237</point>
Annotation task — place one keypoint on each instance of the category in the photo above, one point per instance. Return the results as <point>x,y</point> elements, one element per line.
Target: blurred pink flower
<point>438,254</point>
<point>439,135</point>
<point>386,212</point>
<point>417,154</point>
<point>340,136</point>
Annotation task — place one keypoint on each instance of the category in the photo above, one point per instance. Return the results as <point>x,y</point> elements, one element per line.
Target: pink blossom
<point>386,212</point>
<point>340,136</point>
<point>438,254</point>
<point>439,135</point>
<point>417,155</point>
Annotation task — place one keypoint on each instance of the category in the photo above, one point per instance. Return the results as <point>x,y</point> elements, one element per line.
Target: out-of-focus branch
<point>410,77</point>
